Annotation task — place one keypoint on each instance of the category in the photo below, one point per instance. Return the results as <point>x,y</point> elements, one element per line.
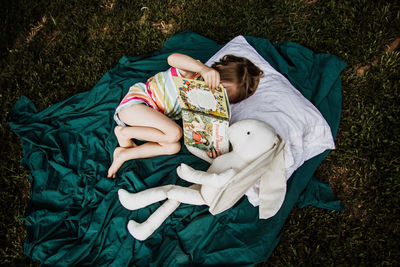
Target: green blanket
<point>74,216</point>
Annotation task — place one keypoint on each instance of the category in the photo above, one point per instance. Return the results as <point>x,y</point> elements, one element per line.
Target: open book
<point>205,114</point>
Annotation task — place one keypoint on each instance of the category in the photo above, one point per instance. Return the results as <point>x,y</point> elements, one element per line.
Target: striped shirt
<point>159,92</point>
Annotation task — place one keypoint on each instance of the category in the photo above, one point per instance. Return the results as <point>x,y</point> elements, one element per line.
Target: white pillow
<point>280,104</point>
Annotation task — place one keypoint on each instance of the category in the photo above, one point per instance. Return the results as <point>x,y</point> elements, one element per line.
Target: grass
<point>51,50</point>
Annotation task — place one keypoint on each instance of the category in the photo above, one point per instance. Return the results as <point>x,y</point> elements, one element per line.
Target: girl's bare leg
<point>147,150</point>
<point>123,141</point>
<point>146,124</point>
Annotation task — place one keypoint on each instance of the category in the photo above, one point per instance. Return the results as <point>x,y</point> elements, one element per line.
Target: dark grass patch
<point>51,50</point>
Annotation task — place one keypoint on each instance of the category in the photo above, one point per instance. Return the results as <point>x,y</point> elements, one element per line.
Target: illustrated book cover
<point>205,114</point>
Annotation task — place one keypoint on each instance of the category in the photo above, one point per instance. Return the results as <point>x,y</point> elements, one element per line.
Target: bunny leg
<point>142,231</point>
<point>188,195</point>
<point>134,201</point>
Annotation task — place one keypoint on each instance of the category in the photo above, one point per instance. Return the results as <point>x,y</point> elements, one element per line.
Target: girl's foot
<point>123,140</point>
<point>118,160</point>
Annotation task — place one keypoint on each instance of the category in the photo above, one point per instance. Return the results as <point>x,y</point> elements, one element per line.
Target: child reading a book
<point>148,110</point>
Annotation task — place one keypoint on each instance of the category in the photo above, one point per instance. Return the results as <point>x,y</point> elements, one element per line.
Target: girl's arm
<point>188,65</point>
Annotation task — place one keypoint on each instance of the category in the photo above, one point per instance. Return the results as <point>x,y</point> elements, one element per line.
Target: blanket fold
<point>74,216</point>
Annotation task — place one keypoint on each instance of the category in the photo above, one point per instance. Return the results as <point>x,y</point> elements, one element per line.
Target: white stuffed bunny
<point>254,145</point>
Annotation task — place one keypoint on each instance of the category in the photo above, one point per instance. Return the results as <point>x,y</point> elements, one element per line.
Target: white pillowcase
<point>278,103</point>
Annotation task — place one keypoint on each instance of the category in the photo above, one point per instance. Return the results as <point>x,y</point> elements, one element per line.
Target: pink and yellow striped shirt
<point>159,92</point>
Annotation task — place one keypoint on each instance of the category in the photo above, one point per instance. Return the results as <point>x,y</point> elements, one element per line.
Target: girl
<point>148,110</point>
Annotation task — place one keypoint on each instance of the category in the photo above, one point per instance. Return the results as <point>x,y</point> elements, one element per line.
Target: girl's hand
<point>210,76</point>
<point>213,153</point>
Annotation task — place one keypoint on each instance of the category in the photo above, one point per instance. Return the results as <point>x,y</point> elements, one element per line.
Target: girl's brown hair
<point>241,71</point>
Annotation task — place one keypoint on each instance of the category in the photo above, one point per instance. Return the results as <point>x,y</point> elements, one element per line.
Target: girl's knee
<point>175,134</point>
<point>172,148</point>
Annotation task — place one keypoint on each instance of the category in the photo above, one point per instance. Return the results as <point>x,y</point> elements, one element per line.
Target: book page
<point>195,95</point>
<point>202,98</point>
<point>205,132</point>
